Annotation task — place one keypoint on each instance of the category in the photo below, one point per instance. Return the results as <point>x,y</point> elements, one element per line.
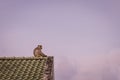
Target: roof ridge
<point>26,57</point>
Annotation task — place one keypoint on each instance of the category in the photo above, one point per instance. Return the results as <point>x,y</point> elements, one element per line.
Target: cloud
<point>94,67</point>
<point>65,70</point>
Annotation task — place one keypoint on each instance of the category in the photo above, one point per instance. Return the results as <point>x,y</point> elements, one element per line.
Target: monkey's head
<point>40,46</point>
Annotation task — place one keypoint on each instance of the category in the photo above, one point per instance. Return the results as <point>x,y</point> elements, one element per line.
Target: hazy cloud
<point>96,67</point>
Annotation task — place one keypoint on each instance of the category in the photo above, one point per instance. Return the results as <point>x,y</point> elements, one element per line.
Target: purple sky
<point>82,35</point>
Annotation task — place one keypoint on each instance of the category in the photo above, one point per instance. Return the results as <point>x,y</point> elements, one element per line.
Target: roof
<point>26,68</point>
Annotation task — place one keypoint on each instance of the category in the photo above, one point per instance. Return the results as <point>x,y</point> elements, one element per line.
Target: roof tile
<point>22,68</point>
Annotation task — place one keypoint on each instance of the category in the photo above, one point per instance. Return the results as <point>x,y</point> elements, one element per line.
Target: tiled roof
<point>25,68</point>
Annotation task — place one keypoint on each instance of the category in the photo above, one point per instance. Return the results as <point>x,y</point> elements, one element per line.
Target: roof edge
<point>24,57</point>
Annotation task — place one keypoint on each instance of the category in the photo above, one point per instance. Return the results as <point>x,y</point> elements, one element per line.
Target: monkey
<point>38,53</point>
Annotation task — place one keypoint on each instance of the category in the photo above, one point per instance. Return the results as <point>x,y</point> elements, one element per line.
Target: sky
<point>82,35</point>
